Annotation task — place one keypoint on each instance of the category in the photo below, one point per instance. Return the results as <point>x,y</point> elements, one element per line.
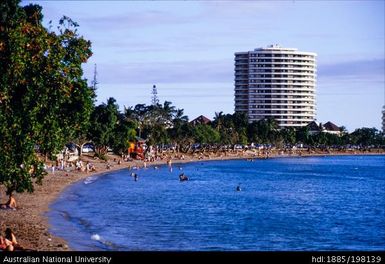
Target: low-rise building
<point>331,128</point>
<point>328,127</point>
<point>200,120</point>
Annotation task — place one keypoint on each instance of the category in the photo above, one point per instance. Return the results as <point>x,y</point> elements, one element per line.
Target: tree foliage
<point>104,120</point>
<point>205,134</point>
<point>44,100</point>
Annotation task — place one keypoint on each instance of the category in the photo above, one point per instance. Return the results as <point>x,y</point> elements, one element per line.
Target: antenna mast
<point>94,81</point>
<point>154,97</point>
<point>383,115</point>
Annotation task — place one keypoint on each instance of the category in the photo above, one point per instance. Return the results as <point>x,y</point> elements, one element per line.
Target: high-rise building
<point>276,82</point>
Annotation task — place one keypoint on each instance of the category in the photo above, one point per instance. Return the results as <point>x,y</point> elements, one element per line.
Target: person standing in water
<point>135,176</point>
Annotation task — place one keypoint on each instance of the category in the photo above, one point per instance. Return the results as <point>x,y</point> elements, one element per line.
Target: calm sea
<point>285,204</point>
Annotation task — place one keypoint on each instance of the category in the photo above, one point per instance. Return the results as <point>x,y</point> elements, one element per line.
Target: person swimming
<point>238,188</point>
<point>183,177</point>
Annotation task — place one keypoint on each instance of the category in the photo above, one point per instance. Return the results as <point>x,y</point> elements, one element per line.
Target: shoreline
<point>30,222</point>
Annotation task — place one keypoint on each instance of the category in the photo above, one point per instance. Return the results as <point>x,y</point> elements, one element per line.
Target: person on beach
<point>88,167</point>
<point>9,235</point>
<point>9,242</point>
<point>5,244</point>
<point>10,204</point>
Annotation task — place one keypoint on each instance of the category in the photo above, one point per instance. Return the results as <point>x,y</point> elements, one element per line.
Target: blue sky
<point>187,49</point>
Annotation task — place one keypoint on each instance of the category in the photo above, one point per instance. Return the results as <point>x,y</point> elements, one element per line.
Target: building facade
<point>276,82</point>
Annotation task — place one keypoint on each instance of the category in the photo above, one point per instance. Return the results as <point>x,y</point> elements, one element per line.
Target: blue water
<point>314,203</point>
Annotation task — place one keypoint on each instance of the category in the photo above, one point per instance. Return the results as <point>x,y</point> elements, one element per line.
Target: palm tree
<point>343,130</point>
<point>179,117</point>
<point>218,120</point>
<point>167,111</point>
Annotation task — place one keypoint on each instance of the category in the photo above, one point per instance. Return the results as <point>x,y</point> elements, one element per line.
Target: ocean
<point>282,204</point>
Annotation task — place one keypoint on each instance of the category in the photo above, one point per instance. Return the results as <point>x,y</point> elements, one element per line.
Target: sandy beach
<point>30,223</point>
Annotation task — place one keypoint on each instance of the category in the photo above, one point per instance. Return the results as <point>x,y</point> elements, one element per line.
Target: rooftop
<point>331,126</point>
<point>275,47</point>
<point>200,120</point>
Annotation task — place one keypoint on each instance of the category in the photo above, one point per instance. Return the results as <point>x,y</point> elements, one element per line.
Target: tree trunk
<point>79,148</point>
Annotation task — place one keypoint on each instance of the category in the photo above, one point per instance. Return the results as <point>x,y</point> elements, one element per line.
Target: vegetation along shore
<point>49,118</point>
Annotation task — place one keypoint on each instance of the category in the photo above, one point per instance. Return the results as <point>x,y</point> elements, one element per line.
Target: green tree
<point>166,113</point>
<point>303,135</point>
<point>179,117</point>
<point>288,135</point>
<point>263,131</point>
<point>84,111</point>
<point>124,132</point>
<point>218,120</point>
<point>68,107</point>
<point>103,125</point>
<point>137,115</point>
<point>240,123</point>
<point>154,122</point>
<point>367,136</point>
<point>205,134</point>
<point>182,134</point>
<point>231,128</point>
<point>42,93</point>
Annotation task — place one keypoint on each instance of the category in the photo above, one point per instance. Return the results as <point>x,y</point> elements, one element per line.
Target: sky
<point>186,48</point>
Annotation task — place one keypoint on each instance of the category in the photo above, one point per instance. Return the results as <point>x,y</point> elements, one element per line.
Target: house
<point>200,120</point>
<point>314,128</point>
<point>329,127</point>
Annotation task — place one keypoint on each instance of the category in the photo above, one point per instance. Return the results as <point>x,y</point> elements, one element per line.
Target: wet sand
<point>30,223</point>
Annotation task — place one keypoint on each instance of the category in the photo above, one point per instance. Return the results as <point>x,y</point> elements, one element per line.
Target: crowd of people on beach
<point>78,165</point>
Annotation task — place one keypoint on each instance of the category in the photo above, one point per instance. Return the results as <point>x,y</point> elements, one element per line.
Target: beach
<point>30,223</point>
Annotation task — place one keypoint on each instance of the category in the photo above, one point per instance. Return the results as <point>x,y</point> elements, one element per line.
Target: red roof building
<point>200,120</point>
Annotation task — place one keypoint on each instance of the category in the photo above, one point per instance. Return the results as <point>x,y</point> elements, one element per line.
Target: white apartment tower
<point>276,82</point>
